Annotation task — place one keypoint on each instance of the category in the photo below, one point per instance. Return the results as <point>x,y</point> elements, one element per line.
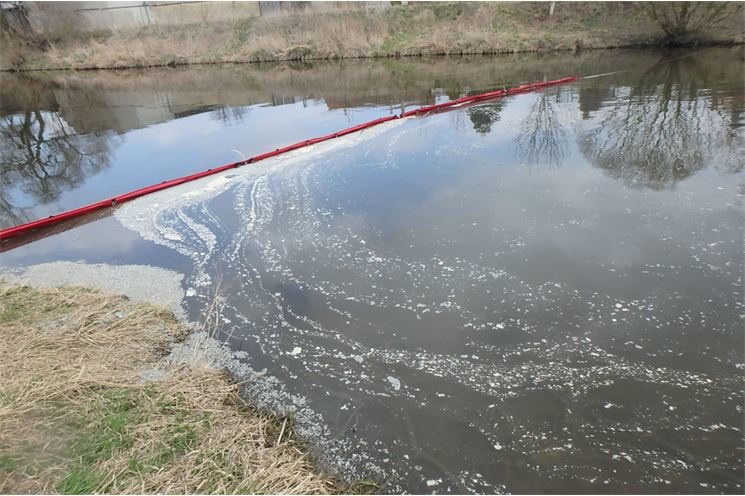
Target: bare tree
<point>679,20</point>
<point>543,137</point>
<point>663,129</point>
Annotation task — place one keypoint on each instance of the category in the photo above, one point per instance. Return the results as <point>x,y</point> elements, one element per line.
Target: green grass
<point>118,412</point>
<point>184,437</point>
<point>136,466</point>
<point>451,11</point>
<point>18,309</point>
<point>8,463</point>
<point>299,53</point>
<point>12,313</point>
<point>243,29</point>
<point>115,412</point>
<point>79,480</point>
<point>397,42</point>
<point>593,22</point>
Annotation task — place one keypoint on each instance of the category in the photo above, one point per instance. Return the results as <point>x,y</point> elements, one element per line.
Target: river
<point>541,293</point>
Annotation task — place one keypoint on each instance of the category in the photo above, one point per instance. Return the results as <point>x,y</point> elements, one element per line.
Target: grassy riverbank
<point>415,29</point>
<point>88,405</point>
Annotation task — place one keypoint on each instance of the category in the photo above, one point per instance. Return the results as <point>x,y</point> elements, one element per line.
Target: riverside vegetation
<point>419,28</point>
<point>79,415</point>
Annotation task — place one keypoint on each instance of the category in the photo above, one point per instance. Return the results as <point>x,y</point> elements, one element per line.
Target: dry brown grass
<point>425,28</point>
<point>75,416</point>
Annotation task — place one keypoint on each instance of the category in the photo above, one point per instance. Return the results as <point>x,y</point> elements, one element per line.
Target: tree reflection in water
<point>484,116</point>
<point>42,157</point>
<point>543,137</point>
<point>664,128</point>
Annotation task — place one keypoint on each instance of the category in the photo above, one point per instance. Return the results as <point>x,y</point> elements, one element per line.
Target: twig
<point>279,439</point>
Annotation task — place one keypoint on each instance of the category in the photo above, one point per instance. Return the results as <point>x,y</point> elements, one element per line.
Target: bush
<point>681,20</point>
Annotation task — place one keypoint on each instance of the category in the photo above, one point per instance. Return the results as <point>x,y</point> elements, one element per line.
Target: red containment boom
<point>111,202</point>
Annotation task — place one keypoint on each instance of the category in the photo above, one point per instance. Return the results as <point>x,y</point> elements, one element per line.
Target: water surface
<point>537,294</point>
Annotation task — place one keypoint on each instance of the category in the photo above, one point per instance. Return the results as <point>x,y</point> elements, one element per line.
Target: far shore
<point>416,29</point>
<point>186,63</point>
